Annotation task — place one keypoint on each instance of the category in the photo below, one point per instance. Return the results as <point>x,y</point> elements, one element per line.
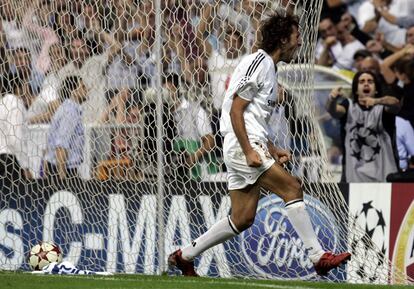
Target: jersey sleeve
<point>250,78</point>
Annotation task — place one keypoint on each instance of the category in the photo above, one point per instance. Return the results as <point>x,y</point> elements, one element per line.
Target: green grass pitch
<point>15,280</point>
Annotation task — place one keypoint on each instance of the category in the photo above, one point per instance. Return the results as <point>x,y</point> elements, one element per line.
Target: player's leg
<point>243,210</point>
<point>279,181</point>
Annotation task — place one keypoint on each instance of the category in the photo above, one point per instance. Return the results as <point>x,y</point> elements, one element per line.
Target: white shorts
<point>239,174</point>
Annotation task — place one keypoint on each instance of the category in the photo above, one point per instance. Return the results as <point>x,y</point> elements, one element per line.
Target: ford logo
<point>271,247</point>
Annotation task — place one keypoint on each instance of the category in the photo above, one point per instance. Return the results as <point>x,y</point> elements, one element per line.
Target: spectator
<point>64,25</point>
<point>328,47</point>
<point>35,21</point>
<point>48,99</point>
<point>399,8</point>
<point>4,64</point>
<point>349,47</point>
<point>405,141</point>
<point>352,5</point>
<point>221,61</point>
<point>400,66</point>
<point>388,65</point>
<point>194,139</point>
<point>125,108</point>
<point>405,74</point>
<point>20,65</point>
<point>368,127</point>
<point>91,69</point>
<point>14,163</point>
<point>376,45</point>
<point>401,21</point>
<point>11,19</point>
<point>373,65</point>
<point>359,57</point>
<point>124,70</point>
<point>66,135</point>
<point>409,36</point>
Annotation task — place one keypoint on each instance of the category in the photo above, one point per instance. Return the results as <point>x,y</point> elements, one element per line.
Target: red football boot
<point>329,261</point>
<point>186,267</point>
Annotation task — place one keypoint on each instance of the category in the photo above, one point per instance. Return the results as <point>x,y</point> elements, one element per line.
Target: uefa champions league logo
<point>271,246</point>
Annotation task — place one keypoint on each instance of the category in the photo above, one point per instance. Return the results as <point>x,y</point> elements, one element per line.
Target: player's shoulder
<point>255,62</point>
<point>257,57</point>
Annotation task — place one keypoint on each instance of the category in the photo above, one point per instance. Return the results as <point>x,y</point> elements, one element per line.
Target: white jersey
<point>254,79</point>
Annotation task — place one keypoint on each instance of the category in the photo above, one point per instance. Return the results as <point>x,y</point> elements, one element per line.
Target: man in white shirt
<point>91,69</point>
<point>14,161</point>
<point>328,48</point>
<point>194,132</point>
<point>249,155</point>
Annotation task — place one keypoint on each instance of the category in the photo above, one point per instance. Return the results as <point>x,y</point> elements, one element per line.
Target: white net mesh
<point>144,173</point>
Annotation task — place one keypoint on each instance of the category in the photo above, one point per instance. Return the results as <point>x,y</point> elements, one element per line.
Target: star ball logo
<point>364,142</point>
<point>370,243</point>
<point>272,248</point>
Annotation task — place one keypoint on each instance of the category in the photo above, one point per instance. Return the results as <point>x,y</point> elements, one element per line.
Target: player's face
<point>289,50</point>
<point>366,86</point>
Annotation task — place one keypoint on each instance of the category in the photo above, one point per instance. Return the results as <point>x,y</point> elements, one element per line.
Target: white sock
<point>299,218</point>
<point>218,233</point>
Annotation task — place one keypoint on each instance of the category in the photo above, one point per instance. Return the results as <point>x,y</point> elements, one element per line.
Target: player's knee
<point>248,222</point>
<point>243,222</point>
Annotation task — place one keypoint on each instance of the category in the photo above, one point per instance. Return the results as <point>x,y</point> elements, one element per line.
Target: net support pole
<point>160,134</point>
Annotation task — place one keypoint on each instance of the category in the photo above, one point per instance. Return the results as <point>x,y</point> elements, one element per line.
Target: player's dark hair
<point>275,29</point>
<point>70,83</point>
<point>355,81</point>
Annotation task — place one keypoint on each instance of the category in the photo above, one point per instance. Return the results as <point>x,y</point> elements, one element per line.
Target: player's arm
<point>336,110</point>
<point>281,156</point>
<point>238,107</point>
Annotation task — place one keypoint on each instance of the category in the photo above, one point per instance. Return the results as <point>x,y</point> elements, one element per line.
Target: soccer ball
<point>43,254</point>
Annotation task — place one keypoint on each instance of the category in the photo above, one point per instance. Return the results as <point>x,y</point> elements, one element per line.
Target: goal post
<point>143,170</point>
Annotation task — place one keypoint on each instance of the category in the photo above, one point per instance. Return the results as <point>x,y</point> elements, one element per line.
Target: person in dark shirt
<point>404,70</point>
<point>367,128</point>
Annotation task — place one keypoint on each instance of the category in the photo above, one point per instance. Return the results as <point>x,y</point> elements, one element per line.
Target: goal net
<point>110,142</point>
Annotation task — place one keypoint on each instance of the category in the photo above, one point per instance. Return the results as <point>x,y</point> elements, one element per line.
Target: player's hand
<point>281,156</point>
<point>253,159</point>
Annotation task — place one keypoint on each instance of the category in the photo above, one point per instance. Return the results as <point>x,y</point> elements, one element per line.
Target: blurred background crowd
<point>80,63</point>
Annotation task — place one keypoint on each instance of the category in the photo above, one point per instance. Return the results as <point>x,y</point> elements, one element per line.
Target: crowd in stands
<point>64,61</point>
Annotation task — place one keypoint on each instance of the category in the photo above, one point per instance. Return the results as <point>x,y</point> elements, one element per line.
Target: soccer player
<point>252,161</point>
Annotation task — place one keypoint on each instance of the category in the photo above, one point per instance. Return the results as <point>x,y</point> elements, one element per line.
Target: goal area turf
<point>23,280</point>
